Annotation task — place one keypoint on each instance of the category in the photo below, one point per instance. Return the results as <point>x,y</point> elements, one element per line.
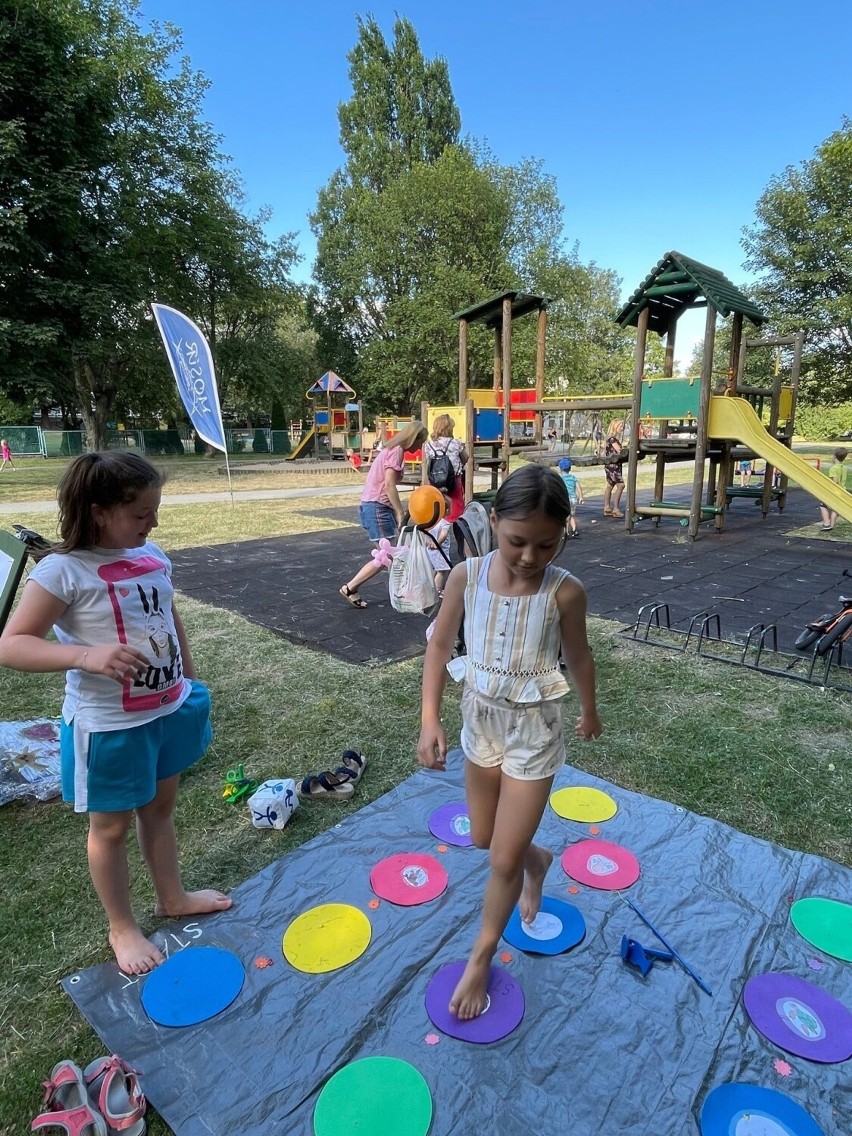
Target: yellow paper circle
<point>326,938</point>
<point>584,804</point>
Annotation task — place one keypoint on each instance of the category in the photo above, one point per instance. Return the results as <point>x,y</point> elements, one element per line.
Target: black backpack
<point>441,472</point>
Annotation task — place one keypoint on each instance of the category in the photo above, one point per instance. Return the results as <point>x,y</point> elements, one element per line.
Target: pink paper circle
<point>408,878</point>
<point>600,864</point>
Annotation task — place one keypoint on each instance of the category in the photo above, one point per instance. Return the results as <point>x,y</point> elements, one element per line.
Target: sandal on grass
<point>325,786</point>
<point>68,1108</point>
<point>352,598</point>
<point>114,1090</point>
<point>353,765</point>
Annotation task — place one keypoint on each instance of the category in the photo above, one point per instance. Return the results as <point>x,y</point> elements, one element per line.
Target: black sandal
<point>352,598</point>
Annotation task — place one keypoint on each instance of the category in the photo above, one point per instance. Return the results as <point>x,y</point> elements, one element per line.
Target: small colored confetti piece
<point>373,904</point>
<point>815,964</point>
<point>442,848</point>
<point>573,889</point>
<point>431,1039</point>
<point>506,956</point>
<point>791,899</point>
<point>594,829</point>
<point>262,963</point>
<point>782,1068</point>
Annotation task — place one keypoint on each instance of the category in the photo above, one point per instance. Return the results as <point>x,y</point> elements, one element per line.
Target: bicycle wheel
<point>813,630</point>
<point>839,629</point>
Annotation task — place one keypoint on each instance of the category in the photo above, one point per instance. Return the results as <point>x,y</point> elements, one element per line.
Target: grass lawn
<point>769,758</point>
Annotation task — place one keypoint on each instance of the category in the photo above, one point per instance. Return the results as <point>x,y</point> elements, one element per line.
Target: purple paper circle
<point>408,878</point>
<point>499,1019</point>
<point>799,1017</point>
<point>451,823</point>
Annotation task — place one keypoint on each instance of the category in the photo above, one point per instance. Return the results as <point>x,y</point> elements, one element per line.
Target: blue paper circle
<point>572,931</point>
<point>192,986</point>
<point>729,1108</point>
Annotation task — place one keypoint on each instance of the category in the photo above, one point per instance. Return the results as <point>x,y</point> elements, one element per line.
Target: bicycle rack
<point>758,652</point>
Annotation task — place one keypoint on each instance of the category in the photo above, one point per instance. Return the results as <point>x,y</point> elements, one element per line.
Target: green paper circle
<point>373,1097</point>
<point>826,924</point>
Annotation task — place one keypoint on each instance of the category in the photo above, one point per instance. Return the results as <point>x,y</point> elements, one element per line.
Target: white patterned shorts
<point>523,739</point>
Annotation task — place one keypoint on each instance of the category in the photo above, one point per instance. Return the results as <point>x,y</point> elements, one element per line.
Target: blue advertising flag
<point>192,366</point>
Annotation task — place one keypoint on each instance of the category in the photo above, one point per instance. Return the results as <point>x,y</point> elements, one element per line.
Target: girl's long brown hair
<point>102,478</point>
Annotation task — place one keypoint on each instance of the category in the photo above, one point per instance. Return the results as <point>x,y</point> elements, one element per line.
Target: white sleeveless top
<point>512,641</point>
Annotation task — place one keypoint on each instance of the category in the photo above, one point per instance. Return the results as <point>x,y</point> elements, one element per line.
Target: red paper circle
<point>600,864</point>
<point>408,878</point>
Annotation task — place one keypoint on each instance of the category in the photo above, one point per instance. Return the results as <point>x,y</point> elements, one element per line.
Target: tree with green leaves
<point>801,247</point>
<point>114,194</point>
<point>406,230</point>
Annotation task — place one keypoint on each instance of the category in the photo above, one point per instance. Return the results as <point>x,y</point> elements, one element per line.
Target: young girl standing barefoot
<point>518,610</point>
<point>133,717</point>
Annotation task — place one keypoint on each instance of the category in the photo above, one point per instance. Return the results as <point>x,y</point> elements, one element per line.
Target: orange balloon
<point>426,506</point>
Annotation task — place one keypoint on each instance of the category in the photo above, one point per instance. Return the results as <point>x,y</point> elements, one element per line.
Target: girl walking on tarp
<point>133,717</point>
<point>518,610</point>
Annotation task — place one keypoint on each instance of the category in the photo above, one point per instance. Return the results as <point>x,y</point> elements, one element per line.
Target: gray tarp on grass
<point>600,1052</point>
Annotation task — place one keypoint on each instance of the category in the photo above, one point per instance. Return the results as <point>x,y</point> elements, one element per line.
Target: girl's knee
<point>109,828</point>
<point>506,862</point>
<point>480,837</point>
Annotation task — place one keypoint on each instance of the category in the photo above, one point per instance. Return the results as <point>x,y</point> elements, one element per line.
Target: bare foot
<point>133,952</point>
<point>537,862</point>
<point>195,903</point>
<point>469,997</point>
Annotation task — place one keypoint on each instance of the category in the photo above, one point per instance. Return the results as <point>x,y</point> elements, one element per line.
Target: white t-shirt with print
<point>117,596</point>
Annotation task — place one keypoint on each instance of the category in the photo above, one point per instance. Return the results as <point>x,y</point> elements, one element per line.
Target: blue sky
<point>662,120</point>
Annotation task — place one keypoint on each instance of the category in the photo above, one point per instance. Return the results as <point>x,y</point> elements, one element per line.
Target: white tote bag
<point>412,577</point>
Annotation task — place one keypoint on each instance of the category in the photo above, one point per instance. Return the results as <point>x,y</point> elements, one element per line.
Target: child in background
<point>518,610</point>
<point>133,717</point>
<point>440,536</point>
<point>5,455</point>
<point>575,493</point>
<point>746,470</point>
<point>837,473</point>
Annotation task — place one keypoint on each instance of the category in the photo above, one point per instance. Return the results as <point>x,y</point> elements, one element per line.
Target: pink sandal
<point>114,1090</point>
<point>68,1105</point>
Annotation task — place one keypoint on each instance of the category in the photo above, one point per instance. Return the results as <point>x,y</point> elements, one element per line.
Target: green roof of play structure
<point>490,311</point>
<point>678,283</point>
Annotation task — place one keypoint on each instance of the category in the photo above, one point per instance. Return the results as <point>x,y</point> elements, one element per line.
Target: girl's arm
<point>571,601</point>
<point>432,746</point>
<point>185,653</point>
<point>579,492</point>
<point>391,476</point>
<point>24,645</point>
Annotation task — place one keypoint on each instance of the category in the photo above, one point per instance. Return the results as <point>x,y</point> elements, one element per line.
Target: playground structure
<point>334,430</point>
<point>492,422</point>
<point>705,419</point>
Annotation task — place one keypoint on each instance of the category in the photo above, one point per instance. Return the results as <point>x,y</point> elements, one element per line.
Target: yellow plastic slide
<point>735,418</point>
<point>303,444</point>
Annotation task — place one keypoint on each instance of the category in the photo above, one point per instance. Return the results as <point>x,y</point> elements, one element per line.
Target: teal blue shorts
<point>122,767</point>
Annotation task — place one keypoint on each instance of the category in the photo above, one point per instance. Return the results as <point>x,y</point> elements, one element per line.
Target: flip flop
<point>352,598</point>
<point>325,786</point>
<point>114,1090</point>
<point>68,1105</point>
<point>353,765</point>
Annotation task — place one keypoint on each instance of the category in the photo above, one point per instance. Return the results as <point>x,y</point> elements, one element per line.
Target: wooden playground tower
<point>684,417</point>
<point>483,415</point>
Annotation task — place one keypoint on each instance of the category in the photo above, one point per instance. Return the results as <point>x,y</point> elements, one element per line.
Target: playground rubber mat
<point>755,571</point>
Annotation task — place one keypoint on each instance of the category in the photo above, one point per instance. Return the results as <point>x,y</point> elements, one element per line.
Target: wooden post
<point>424,418</point>
<point>462,361</point>
<point>469,441</point>
<point>726,459</point>
<point>498,362</point>
<point>633,456</point>
<point>507,380</point>
<point>540,341</point>
<point>703,415</point>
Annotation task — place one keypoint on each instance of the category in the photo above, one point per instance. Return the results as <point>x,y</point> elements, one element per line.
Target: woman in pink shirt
<point>381,509</point>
